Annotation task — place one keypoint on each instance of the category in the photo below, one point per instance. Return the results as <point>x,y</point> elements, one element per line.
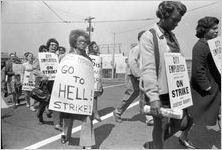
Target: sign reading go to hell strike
<point>215,49</point>
<point>178,81</point>
<point>97,68</point>
<point>73,89</point>
<point>28,81</point>
<point>48,64</point>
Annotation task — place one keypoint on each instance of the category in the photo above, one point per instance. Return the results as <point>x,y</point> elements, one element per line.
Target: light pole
<point>89,29</point>
<point>113,61</point>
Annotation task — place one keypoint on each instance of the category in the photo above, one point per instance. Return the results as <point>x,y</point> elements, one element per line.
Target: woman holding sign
<point>97,65</point>
<point>78,40</point>
<point>28,86</point>
<point>205,77</point>
<point>160,38</point>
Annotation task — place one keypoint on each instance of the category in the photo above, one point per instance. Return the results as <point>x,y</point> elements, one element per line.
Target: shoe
<point>27,105</point>
<point>63,139</point>
<point>148,145</point>
<point>87,147</point>
<point>117,117</point>
<point>41,122</point>
<point>149,122</point>
<point>97,117</point>
<point>49,115</point>
<point>186,143</point>
<point>57,127</point>
<point>32,108</point>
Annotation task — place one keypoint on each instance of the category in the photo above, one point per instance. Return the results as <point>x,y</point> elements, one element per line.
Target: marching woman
<point>205,79</point>
<point>78,40</point>
<point>94,50</point>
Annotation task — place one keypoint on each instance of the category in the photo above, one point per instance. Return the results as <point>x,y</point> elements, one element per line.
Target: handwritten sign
<point>121,64</point>
<point>97,68</point>
<point>48,64</point>
<point>73,89</point>
<point>215,49</point>
<point>106,61</point>
<point>178,81</point>
<point>28,81</point>
<point>17,69</point>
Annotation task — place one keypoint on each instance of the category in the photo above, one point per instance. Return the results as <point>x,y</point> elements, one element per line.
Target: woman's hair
<point>73,36</point>
<point>140,34</point>
<point>41,47</point>
<point>51,40</point>
<point>166,8</point>
<point>204,25</point>
<point>91,46</point>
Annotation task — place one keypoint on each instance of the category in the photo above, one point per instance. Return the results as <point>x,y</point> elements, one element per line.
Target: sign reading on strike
<point>97,68</point>
<point>73,89</point>
<point>48,64</point>
<point>178,81</point>
<point>28,81</point>
<point>215,49</point>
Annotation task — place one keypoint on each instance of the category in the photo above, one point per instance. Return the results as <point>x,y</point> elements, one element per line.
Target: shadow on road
<point>137,117</point>
<point>105,111</point>
<point>74,141</point>
<point>101,133</point>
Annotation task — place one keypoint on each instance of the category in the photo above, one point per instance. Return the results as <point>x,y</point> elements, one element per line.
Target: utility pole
<point>113,62</point>
<point>90,28</point>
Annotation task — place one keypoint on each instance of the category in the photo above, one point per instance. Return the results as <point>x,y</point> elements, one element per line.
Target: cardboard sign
<point>28,81</point>
<point>48,64</point>
<point>215,49</point>
<point>178,81</point>
<point>106,61</point>
<point>97,68</point>
<point>121,64</point>
<point>73,89</point>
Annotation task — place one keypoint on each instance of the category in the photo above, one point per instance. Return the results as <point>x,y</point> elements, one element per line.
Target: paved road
<point>20,129</point>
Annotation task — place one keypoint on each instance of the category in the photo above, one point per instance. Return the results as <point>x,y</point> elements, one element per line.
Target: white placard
<point>28,81</point>
<point>73,89</point>
<point>178,81</point>
<point>215,49</point>
<point>17,68</point>
<point>121,64</point>
<point>107,61</point>
<point>97,68</point>
<point>48,64</point>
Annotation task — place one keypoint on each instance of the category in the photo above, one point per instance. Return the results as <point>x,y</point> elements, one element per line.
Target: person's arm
<point>133,61</point>
<point>199,64</point>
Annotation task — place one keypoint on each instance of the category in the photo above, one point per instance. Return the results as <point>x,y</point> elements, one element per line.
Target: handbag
<point>40,93</point>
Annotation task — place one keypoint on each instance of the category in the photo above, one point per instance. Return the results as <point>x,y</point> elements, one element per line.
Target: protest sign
<point>48,64</point>
<point>17,69</point>
<point>215,49</point>
<point>121,64</point>
<point>97,68</point>
<point>106,61</point>
<point>28,81</point>
<point>73,89</point>
<point>178,81</point>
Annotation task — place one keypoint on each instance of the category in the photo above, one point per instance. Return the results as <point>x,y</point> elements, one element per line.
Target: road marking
<point>76,129</point>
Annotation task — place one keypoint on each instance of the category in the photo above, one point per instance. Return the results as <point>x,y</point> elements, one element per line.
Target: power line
<point>201,7</point>
<point>54,12</point>
<point>105,21</point>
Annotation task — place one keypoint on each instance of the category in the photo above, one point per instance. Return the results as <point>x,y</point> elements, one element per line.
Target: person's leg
<point>56,120</point>
<point>95,109</point>
<point>87,136</point>
<point>67,129</point>
<point>130,95</point>
<point>40,112</point>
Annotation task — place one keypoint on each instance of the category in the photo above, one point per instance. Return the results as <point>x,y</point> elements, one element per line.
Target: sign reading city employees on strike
<point>28,81</point>
<point>73,89</point>
<point>215,49</point>
<point>48,64</point>
<point>178,81</point>
<point>97,68</point>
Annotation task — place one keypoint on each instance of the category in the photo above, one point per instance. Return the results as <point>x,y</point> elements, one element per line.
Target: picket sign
<point>215,49</point>
<point>48,64</point>
<point>28,81</point>
<point>178,81</point>
<point>73,89</point>
<point>97,68</point>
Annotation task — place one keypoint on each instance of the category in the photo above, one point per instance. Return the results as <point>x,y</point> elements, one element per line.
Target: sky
<point>28,24</point>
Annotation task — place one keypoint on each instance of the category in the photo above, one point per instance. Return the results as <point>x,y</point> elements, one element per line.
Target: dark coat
<point>206,105</point>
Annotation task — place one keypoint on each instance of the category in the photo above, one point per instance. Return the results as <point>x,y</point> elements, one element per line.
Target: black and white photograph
<point>110,74</point>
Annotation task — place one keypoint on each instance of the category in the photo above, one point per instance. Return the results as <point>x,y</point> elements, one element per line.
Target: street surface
<point>20,128</point>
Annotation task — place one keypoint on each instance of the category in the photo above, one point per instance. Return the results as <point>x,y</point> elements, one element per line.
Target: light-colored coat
<point>153,86</point>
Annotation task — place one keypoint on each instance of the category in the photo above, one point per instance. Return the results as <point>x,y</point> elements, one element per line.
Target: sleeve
<point>134,61</point>
<point>36,70</point>
<point>199,66</point>
<point>148,74</point>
